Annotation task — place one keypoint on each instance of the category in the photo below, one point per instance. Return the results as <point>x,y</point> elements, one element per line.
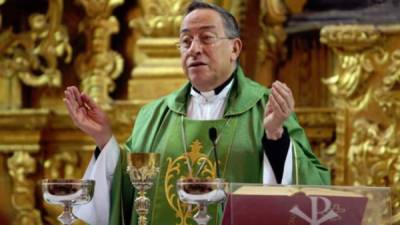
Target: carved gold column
<point>366,87</point>
<point>271,49</point>
<point>31,56</point>
<point>271,45</point>
<point>158,69</point>
<point>21,134</point>
<point>21,166</point>
<point>98,66</point>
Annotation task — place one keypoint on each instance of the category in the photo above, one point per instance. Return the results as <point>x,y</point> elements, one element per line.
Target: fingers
<point>283,97</point>
<point>268,109</point>
<point>73,112</point>
<point>76,94</point>
<point>74,104</point>
<point>89,103</point>
<point>275,105</point>
<point>68,105</point>
<point>73,97</point>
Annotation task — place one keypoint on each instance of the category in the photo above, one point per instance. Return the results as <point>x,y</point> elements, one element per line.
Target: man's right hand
<point>88,116</point>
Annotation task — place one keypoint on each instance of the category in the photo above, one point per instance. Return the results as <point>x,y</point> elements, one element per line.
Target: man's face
<point>208,57</point>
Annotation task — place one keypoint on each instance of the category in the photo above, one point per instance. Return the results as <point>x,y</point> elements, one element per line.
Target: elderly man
<point>258,138</point>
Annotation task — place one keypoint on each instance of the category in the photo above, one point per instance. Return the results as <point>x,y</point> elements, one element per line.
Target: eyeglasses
<point>184,43</point>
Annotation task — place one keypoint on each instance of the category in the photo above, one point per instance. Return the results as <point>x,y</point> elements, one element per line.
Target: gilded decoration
<point>99,66</point>
<point>358,53</point>
<point>271,49</point>
<point>161,18</point>
<point>366,83</point>
<point>31,56</point>
<point>19,146</point>
<point>295,6</point>
<point>20,166</point>
<point>175,170</point>
<point>350,37</point>
<point>158,71</point>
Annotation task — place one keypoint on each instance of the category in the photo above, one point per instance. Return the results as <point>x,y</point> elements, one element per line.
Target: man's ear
<point>236,49</point>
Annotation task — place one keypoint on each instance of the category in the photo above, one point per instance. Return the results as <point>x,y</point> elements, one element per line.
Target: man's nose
<point>195,47</point>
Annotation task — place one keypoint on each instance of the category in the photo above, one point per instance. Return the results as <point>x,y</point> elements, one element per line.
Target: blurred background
<point>341,58</point>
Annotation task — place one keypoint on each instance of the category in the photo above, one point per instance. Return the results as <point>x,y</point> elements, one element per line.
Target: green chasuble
<point>162,126</point>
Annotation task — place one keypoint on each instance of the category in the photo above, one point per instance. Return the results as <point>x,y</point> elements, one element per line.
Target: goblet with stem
<point>201,192</point>
<point>68,193</point>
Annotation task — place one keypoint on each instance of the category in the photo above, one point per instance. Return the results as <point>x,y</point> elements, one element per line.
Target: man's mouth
<point>196,64</point>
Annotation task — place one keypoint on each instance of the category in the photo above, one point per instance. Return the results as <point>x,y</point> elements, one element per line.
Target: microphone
<point>212,134</point>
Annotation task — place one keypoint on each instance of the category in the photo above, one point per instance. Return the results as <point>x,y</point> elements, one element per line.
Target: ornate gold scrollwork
<point>158,71</point>
<point>174,172</point>
<point>374,157</point>
<point>387,143</point>
<point>388,96</point>
<point>32,55</point>
<point>295,6</point>
<point>271,49</point>
<point>161,18</point>
<point>350,37</point>
<point>99,66</point>
<point>273,15</point>
<point>20,165</point>
<point>366,82</point>
<point>356,60</point>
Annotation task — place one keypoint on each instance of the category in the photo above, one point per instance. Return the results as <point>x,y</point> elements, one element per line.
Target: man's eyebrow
<point>187,30</point>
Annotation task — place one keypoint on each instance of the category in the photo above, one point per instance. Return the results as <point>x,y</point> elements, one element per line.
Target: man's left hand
<point>279,107</point>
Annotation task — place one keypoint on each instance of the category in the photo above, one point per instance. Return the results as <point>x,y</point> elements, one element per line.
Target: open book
<point>274,205</point>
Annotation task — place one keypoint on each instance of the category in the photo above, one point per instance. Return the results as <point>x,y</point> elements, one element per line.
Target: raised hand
<point>279,107</point>
<point>88,116</point>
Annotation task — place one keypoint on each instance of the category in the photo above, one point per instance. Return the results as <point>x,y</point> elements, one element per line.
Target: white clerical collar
<point>210,96</point>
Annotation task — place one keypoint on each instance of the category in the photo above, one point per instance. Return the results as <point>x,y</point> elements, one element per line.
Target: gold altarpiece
<point>122,53</point>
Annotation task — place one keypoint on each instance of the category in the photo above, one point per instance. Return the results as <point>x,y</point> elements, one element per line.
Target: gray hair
<point>231,26</point>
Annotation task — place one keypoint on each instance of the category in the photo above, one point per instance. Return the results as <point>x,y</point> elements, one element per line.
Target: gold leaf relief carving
<point>20,166</point>
<point>350,37</point>
<point>160,17</point>
<point>271,42</point>
<point>32,55</point>
<point>374,156</point>
<point>350,78</point>
<point>99,8</point>
<point>388,95</point>
<point>98,66</point>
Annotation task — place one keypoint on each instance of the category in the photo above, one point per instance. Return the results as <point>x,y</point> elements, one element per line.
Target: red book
<point>261,205</point>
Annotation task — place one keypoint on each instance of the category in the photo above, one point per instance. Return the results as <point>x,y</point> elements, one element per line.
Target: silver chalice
<point>201,192</point>
<point>68,193</point>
